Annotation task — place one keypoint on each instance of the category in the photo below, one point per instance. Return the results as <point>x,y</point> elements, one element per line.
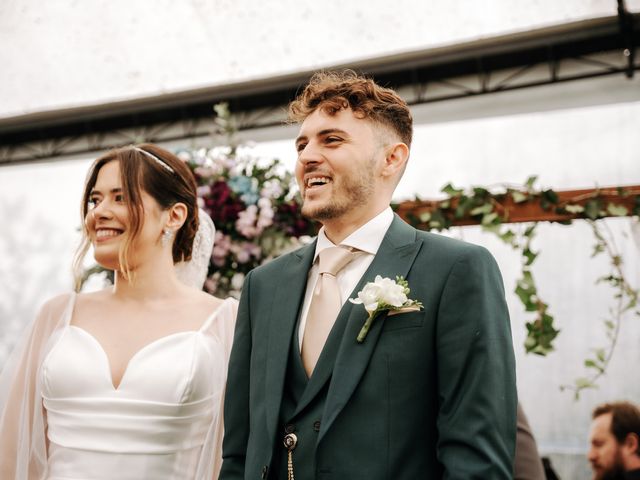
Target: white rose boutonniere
<point>384,295</point>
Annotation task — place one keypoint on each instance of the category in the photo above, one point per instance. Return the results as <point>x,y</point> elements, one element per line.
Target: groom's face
<point>338,162</point>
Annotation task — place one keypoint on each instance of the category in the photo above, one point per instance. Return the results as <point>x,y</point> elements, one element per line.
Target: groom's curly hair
<point>333,91</point>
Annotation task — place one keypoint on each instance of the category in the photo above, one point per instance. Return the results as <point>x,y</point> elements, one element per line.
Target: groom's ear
<point>177,216</point>
<point>396,156</point>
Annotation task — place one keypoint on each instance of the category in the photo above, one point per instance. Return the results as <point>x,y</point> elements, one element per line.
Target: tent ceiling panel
<point>573,51</point>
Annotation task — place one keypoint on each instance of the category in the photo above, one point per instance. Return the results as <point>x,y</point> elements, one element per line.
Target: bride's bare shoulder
<point>94,298</point>
<point>206,300</point>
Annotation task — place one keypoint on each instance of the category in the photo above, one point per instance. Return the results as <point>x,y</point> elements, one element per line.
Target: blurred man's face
<point>605,453</point>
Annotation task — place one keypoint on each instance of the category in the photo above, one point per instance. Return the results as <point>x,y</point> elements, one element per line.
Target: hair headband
<point>160,162</point>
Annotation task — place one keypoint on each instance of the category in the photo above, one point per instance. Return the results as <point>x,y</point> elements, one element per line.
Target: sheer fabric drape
<point>23,449</point>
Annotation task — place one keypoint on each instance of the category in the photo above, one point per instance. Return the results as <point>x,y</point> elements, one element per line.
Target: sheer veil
<point>194,272</point>
<point>23,443</point>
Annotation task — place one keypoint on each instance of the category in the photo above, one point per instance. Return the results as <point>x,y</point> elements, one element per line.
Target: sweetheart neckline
<point>133,357</point>
<point>115,387</point>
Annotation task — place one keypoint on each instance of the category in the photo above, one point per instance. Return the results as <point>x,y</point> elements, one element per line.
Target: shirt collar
<point>367,238</point>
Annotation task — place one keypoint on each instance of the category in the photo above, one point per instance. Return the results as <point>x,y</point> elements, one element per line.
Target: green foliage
<point>626,302</point>
<point>518,197</point>
<point>593,209</point>
<point>617,210</point>
<point>481,206</point>
<point>574,208</point>
<point>451,190</point>
<point>530,182</point>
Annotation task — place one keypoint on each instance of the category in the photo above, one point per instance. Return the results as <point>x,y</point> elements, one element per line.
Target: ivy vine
<point>491,210</point>
<point>626,302</point>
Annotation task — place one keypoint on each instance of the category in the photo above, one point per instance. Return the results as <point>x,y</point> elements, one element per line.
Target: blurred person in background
<point>527,464</point>
<point>614,452</point>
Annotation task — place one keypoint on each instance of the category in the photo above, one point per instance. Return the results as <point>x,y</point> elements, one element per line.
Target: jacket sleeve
<point>236,404</point>
<point>476,372</point>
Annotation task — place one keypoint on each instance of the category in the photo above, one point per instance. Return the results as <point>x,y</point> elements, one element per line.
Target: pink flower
<point>271,189</point>
<point>221,248</point>
<point>244,251</point>
<point>203,190</point>
<point>211,284</point>
<point>246,223</point>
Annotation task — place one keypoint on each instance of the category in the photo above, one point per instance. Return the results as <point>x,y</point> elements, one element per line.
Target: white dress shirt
<point>367,239</point>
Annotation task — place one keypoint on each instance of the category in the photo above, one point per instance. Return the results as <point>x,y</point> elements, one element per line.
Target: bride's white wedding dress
<point>164,419</point>
<point>157,420</point>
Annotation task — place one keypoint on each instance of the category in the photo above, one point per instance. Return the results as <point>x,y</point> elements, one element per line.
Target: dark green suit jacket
<point>429,394</point>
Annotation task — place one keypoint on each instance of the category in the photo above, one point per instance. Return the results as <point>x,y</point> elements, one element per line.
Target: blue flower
<point>250,198</point>
<point>240,184</point>
<point>246,187</point>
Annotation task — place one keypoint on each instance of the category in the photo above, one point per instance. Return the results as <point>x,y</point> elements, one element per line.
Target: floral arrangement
<point>254,204</point>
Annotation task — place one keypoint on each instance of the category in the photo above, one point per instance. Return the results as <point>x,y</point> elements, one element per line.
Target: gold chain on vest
<point>290,442</point>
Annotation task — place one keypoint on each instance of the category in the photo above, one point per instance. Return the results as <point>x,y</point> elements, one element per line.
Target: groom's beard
<point>347,193</point>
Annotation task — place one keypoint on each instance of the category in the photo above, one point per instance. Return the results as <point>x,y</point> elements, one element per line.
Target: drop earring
<point>167,236</point>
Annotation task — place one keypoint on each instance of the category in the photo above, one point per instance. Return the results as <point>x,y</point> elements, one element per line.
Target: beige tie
<point>325,304</point>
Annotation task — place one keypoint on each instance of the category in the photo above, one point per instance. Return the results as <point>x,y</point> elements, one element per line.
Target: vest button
<point>289,428</point>
<point>316,426</point>
<point>290,441</point>
<point>265,471</point>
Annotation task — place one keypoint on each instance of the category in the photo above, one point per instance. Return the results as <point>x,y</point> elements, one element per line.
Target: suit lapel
<point>394,258</point>
<point>283,319</point>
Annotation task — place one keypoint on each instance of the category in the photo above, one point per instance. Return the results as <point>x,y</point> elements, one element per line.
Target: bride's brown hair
<point>166,178</point>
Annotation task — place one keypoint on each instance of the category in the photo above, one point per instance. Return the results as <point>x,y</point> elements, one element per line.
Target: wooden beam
<point>546,206</point>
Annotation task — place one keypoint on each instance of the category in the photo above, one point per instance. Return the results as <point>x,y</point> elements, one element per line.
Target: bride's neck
<point>150,281</point>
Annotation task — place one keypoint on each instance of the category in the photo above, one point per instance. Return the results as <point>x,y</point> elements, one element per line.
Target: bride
<point>125,382</point>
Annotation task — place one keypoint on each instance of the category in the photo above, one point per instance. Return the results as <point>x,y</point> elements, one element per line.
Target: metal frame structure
<point>574,51</point>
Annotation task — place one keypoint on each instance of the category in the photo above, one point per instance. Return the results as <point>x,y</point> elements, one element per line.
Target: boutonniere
<point>384,295</point>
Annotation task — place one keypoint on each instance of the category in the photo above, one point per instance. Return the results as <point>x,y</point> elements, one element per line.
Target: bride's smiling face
<point>108,224</point>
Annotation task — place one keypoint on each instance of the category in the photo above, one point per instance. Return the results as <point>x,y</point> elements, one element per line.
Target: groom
<point>426,394</point>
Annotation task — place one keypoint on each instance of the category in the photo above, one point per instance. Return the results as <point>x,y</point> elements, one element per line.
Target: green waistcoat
<point>303,403</point>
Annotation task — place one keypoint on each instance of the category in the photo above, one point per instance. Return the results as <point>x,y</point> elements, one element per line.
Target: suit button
<point>289,428</point>
<point>316,426</point>
<point>265,471</point>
